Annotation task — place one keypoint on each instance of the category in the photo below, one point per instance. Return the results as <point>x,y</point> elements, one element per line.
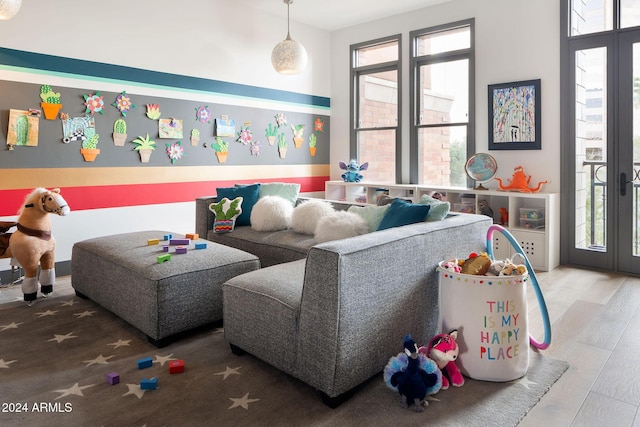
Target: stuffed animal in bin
<point>413,375</point>
<point>443,349</point>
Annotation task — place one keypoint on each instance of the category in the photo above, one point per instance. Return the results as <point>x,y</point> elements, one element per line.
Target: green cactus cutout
<point>271,130</point>
<point>91,143</point>
<point>312,140</point>
<point>48,95</point>
<point>144,143</point>
<point>282,141</point>
<point>226,209</point>
<point>120,126</point>
<point>220,145</point>
<point>22,130</point>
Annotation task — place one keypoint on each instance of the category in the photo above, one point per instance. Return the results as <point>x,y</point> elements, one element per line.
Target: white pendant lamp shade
<point>289,56</point>
<point>9,8</point>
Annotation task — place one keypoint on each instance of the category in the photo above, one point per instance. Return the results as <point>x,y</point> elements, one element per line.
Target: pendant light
<point>289,56</point>
<point>9,8</point>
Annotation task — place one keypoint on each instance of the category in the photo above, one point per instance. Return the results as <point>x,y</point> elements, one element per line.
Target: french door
<point>602,148</point>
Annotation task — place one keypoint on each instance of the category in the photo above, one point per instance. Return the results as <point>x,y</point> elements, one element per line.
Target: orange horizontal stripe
<point>112,196</point>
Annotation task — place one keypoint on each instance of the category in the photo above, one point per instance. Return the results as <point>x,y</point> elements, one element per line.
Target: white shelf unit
<point>539,238</point>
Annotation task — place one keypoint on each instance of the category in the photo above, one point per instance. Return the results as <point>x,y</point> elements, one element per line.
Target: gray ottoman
<point>122,274</point>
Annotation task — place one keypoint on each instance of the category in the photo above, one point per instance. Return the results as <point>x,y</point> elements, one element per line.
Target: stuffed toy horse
<point>32,243</point>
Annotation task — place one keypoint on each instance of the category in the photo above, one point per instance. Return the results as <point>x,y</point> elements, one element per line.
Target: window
<point>442,102</point>
<point>375,107</point>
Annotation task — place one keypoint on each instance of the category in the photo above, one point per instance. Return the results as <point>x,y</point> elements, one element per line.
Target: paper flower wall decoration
<point>281,119</point>
<point>255,148</point>
<point>203,114</point>
<point>244,135</point>
<point>153,111</point>
<point>123,103</point>
<point>318,125</point>
<point>94,103</point>
<point>175,151</point>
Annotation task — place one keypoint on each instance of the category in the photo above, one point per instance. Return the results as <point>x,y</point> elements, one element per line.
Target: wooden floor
<point>595,319</point>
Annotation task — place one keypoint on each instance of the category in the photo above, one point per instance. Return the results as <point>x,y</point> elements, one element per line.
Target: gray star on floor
<point>135,390</point>
<point>228,372</point>
<point>84,314</point>
<point>13,325</point>
<point>524,381</point>
<point>242,402</point>
<point>47,313</point>
<point>100,360</point>
<point>120,343</point>
<point>75,389</point>
<point>6,364</point>
<point>69,303</point>
<point>60,338</point>
<point>162,359</point>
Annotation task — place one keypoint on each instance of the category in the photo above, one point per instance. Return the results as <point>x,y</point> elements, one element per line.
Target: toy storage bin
<point>490,314</point>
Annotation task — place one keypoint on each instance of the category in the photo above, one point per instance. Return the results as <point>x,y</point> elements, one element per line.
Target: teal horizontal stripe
<point>58,64</point>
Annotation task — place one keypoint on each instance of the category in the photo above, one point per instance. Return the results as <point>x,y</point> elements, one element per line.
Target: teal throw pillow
<point>401,213</point>
<point>438,209</point>
<point>371,214</point>
<point>286,190</point>
<point>249,194</point>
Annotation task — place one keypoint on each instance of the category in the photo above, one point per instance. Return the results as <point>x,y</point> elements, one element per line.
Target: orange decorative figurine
<point>520,182</point>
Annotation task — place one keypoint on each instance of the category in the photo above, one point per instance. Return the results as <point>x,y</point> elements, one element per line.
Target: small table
<point>122,273</point>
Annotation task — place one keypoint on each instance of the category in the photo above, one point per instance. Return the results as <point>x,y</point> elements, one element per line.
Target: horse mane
<point>37,192</point>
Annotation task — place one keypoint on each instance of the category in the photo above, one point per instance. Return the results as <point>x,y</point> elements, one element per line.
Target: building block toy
<point>176,366</point>
<point>149,384</point>
<point>113,378</point>
<point>152,242</point>
<point>165,248</point>
<point>146,362</point>
<point>192,236</point>
<point>164,258</point>
<point>201,246</point>
<point>179,242</point>
<point>181,249</point>
<point>168,236</point>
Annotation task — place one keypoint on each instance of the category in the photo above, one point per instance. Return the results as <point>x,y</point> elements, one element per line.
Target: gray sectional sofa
<point>331,314</point>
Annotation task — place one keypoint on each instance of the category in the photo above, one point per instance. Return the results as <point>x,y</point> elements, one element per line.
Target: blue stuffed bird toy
<point>413,375</point>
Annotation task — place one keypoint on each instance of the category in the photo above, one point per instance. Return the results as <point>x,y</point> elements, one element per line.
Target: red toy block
<point>113,378</point>
<point>176,366</point>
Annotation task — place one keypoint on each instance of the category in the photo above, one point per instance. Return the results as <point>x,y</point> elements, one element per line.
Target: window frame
<point>415,62</point>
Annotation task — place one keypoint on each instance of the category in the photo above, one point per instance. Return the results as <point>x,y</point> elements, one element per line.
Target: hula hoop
<point>534,281</point>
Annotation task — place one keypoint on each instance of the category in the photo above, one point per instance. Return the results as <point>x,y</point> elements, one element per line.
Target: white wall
<point>214,39</point>
<point>515,40</point>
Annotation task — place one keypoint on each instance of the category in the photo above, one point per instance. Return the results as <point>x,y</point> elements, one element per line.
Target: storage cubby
<point>532,218</point>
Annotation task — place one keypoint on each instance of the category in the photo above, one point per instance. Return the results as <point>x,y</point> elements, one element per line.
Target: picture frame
<point>515,115</point>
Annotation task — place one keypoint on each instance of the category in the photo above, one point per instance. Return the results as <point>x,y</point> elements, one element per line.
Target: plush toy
<point>511,269</point>
<point>353,169</point>
<point>32,244</point>
<point>413,375</point>
<point>476,264</point>
<point>226,211</point>
<point>443,349</point>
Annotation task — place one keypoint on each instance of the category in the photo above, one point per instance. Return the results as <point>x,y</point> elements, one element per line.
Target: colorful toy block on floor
<point>164,258</point>
<point>192,236</point>
<point>168,236</point>
<point>176,366</point>
<point>113,378</point>
<point>149,384</point>
<point>165,248</point>
<point>152,242</point>
<point>181,249</point>
<point>201,245</point>
<point>145,362</point>
<point>179,241</point>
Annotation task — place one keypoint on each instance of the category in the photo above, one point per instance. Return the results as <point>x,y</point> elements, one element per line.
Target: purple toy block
<point>201,246</point>
<point>165,248</point>
<point>113,378</point>
<point>179,241</point>
<point>146,362</point>
<point>181,249</point>
<point>149,384</point>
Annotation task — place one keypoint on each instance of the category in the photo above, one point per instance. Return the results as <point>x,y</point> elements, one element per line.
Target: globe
<point>481,167</point>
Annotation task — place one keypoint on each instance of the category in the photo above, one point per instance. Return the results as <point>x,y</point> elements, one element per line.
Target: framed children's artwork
<point>170,128</point>
<point>514,116</point>
<point>23,128</point>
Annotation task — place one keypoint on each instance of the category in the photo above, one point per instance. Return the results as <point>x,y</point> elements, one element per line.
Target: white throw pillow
<point>271,213</point>
<point>340,225</point>
<point>307,214</point>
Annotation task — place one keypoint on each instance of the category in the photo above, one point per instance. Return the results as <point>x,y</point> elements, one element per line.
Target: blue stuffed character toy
<point>352,173</point>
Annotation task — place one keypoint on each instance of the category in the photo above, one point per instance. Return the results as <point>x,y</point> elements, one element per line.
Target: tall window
<point>442,102</point>
<point>375,107</point>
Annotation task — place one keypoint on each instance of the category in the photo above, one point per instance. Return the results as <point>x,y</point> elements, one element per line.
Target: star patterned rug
<point>55,358</point>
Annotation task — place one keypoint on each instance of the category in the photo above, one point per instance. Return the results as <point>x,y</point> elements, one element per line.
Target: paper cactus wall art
<point>203,114</point>
<point>195,137</point>
<point>175,151</point>
<point>271,133</point>
<point>119,132</point>
<point>123,103</point>
<point>312,144</point>
<point>51,102</point>
<point>153,111</point>
<point>145,146</point>
<point>222,149</point>
<point>298,132</point>
<point>94,103</point>
<point>282,145</point>
<point>90,148</point>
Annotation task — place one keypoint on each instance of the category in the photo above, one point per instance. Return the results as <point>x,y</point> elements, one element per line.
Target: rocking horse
<point>32,243</point>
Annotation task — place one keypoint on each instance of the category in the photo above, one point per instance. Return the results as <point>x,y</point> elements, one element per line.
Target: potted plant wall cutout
<point>90,148</point>
<point>298,130</point>
<point>51,103</point>
<point>271,133</point>
<point>144,146</point>
<point>312,144</point>
<point>222,149</point>
<point>282,146</point>
<point>119,132</point>
<point>195,137</point>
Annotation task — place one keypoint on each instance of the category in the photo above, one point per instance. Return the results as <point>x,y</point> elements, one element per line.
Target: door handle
<point>623,184</point>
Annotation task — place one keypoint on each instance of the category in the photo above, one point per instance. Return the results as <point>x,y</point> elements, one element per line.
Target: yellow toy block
<point>152,242</point>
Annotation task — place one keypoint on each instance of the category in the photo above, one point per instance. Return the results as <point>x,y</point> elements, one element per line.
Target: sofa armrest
<point>204,217</point>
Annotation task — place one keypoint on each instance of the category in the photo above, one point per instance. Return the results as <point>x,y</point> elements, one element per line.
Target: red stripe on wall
<point>113,196</point>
